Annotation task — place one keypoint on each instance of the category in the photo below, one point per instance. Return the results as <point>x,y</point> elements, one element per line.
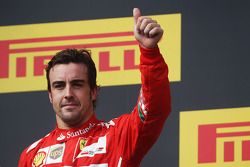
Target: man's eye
<point>78,85</point>
<point>58,86</point>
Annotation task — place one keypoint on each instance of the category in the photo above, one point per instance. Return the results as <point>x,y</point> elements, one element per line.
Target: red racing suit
<point>121,142</point>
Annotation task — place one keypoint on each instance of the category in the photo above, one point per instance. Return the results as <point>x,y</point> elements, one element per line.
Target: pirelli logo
<point>227,135</point>
<point>217,137</point>
<point>26,49</point>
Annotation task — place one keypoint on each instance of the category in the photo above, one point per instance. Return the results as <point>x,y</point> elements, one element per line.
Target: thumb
<point>136,14</point>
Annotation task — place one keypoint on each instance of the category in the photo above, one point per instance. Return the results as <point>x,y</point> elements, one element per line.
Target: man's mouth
<point>70,105</point>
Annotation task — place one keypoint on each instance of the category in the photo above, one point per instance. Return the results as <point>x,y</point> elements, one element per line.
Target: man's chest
<point>78,151</point>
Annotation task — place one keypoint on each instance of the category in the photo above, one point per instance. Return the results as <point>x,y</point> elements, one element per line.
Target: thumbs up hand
<point>146,30</point>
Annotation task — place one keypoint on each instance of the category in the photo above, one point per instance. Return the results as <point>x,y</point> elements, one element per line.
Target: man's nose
<point>68,92</point>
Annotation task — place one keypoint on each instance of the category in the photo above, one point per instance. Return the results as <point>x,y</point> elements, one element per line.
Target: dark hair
<point>81,56</point>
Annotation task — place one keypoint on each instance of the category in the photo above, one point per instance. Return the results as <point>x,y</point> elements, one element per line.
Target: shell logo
<point>38,160</point>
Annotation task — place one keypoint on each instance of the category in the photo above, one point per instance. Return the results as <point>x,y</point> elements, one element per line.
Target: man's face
<point>71,95</point>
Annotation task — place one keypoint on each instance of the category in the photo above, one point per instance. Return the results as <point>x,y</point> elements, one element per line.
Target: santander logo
<point>61,137</point>
<point>79,132</point>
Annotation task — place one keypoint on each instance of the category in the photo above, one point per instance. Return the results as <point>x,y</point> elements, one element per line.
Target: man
<point>80,139</point>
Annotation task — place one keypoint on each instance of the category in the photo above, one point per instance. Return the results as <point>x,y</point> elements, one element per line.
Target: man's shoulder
<point>36,143</point>
<point>120,120</point>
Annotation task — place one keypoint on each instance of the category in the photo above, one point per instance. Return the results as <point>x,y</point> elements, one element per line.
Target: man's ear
<point>94,93</point>
<point>50,96</point>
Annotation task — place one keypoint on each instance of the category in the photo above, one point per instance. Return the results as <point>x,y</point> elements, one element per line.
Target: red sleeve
<point>22,159</point>
<point>139,130</point>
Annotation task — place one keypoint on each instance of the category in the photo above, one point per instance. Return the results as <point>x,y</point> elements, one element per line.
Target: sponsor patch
<point>70,134</point>
<point>39,158</point>
<point>142,111</point>
<point>83,143</point>
<point>97,146</point>
<point>49,155</point>
<point>56,153</point>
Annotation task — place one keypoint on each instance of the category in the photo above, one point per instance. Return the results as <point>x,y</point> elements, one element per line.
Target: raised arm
<point>139,130</point>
